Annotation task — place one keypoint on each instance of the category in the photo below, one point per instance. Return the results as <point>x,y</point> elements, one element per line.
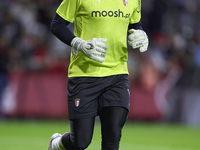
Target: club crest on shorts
<point>77,102</point>
<point>125,2</point>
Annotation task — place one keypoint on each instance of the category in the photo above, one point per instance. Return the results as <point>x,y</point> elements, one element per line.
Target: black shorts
<point>88,95</point>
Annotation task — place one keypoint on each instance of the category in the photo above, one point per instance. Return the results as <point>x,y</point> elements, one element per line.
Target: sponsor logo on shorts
<point>128,91</point>
<point>77,102</point>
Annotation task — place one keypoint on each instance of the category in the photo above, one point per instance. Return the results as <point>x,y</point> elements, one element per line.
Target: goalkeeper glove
<point>94,49</point>
<point>138,39</point>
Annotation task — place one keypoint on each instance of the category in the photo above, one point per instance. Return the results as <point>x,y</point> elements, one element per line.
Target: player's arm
<point>59,28</point>
<point>94,49</point>
<point>137,37</point>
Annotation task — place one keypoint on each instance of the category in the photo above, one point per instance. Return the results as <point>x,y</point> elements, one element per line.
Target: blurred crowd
<point>169,69</point>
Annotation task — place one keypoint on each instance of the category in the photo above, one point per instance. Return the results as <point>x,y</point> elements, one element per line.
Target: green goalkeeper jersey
<point>101,19</point>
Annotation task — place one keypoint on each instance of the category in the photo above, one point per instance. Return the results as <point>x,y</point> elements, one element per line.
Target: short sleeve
<point>136,16</point>
<point>67,10</point>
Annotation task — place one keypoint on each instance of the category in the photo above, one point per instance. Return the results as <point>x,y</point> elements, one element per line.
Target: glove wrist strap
<point>75,43</point>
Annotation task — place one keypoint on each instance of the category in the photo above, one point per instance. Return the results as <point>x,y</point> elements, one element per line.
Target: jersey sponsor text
<point>104,13</point>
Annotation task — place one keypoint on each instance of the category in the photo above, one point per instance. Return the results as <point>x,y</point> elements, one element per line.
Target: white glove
<point>138,39</point>
<point>94,49</point>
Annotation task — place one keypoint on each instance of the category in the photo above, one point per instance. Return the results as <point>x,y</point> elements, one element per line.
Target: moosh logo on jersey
<point>125,2</point>
<point>117,13</point>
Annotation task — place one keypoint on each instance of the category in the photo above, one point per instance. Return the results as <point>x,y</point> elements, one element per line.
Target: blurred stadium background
<point>165,80</point>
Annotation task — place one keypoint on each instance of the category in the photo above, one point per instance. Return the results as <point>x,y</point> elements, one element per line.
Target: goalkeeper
<point>98,82</point>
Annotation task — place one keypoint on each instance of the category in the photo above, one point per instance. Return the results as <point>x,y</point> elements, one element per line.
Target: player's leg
<point>112,122</point>
<point>78,139</point>
<point>82,107</point>
<point>114,107</point>
<point>81,134</point>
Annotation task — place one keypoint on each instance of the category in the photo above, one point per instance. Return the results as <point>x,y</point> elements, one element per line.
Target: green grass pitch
<point>35,135</point>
